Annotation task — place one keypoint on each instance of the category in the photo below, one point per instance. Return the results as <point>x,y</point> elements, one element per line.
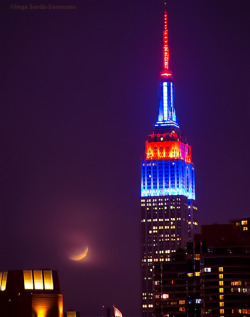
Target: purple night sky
<point>79,95</point>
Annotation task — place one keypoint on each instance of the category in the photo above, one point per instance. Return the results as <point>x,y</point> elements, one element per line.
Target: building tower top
<point>167,118</point>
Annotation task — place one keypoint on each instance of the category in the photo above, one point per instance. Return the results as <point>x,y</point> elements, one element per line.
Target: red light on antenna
<point>166,74</point>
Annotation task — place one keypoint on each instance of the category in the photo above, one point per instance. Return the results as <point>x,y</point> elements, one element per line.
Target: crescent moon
<point>80,256</point>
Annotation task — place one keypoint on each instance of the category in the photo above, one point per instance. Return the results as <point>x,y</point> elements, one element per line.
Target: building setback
<point>210,278</point>
<point>168,208</point>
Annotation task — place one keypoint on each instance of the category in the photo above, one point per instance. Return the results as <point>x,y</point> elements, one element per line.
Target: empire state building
<point>168,208</point>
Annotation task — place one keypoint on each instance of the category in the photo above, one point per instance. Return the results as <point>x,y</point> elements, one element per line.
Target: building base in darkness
<point>211,277</point>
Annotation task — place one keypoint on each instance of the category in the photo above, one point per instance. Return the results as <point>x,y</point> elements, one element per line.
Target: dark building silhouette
<point>177,286</point>
<point>111,311</point>
<point>168,208</point>
<point>30,293</point>
<point>225,274</point>
<point>210,278</point>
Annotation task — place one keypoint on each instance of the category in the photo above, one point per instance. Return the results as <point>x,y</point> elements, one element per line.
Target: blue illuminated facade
<point>167,177</point>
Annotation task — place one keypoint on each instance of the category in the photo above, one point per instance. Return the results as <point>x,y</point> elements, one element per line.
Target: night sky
<point>79,95</point>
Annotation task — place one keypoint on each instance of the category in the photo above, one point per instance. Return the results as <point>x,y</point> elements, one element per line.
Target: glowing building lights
<point>165,40</point>
<point>167,115</point>
<point>165,99</point>
<point>30,292</point>
<point>165,179</point>
<point>38,279</point>
<point>167,187</point>
<point>48,280</point>
<point>4,281</point>
<point>28,279</point>
<point>168,150</point>
<point>60,305</point>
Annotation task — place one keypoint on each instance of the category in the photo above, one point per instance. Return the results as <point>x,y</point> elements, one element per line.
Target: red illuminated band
<point>168,150</point>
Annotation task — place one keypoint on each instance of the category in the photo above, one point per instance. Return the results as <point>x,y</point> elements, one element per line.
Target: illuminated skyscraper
<point>168,210</point>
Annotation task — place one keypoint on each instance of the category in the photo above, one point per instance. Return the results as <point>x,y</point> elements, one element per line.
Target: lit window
<point>181,302</point>
<point>4,281</point>
<point>190,274</point>
<point>197,274</point>
<point>245,228</point>
<point>28,280</point>
<point>220,269</point>
<point>221,290</point>
<point>197,257</point>
<point>48,280</point>
<point>207,269</point>
<point>182,309</point>
<point>165,296</point>
<point>221,296</point>
<point>220,276</point>
<point>221,304</point>
<point>236,283</point>
<point>221,311</point>
<point>38,279</point>
<point>221,283</point>
<point>244,222</point>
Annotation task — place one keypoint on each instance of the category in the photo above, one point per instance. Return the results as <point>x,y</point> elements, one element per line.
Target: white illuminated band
<point>165,101</point>
<point>172,100</point>
<point>165,124</point>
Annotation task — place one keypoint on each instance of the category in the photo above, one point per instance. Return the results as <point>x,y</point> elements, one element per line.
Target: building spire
<point>165,72</point>
<point>167,115</point>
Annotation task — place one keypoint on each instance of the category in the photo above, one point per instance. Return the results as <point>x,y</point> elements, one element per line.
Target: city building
<point>111,311</point>
<point>225,270</point>
<point>211,277</point>
<point>30,293</point>
<point>168,208</point>
<point>177,285</point>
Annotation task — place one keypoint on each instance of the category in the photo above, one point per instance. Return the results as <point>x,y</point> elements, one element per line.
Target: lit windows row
<point>38,279</point>
<point>145,306</point>
<point>194,274</point>
<point>156,260</point>
<point>160,199</point>
<point>172,219</point>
